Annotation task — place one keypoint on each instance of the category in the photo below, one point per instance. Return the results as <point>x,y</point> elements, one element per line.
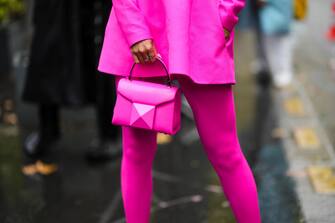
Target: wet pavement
<point>186,189</point>
<point>315,62</point>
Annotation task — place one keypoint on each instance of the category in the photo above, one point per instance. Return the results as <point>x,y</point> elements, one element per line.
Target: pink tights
<point>213,108</point>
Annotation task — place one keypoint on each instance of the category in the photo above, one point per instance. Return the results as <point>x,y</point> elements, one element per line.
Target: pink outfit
<point>215,120</point>
<point>188,34</point>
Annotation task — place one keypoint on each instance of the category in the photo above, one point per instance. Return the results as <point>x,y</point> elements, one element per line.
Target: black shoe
<point>264,78</point>
<point>35,145</point>
<point>104,150</point>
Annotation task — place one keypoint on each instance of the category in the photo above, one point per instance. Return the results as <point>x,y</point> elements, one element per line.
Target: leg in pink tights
<point>214,112</point>
<point>139,148</point>
<point>213,107</point>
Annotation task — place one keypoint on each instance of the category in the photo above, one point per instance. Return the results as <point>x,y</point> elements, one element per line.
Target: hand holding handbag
<point>148,105</point>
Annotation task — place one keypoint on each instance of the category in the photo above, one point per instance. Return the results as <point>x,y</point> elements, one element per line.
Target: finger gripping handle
<point>159,58</point>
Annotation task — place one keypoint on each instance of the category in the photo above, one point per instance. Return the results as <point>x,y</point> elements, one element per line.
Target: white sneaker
<point>281,80</point>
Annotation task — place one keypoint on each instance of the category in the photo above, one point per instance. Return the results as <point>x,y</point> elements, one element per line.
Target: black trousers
<point>49,113</point>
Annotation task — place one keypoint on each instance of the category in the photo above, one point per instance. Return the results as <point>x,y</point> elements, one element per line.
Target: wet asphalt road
<point>186,187</point>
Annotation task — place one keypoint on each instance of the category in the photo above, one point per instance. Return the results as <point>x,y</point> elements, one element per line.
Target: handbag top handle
<point>159,58</point>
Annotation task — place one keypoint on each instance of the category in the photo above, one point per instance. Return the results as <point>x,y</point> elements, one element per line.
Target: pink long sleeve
<point>131,21</point>
<point>229,10</point>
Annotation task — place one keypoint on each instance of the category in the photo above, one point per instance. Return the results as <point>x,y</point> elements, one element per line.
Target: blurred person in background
<point>272,20</point>
<point>62,73</point>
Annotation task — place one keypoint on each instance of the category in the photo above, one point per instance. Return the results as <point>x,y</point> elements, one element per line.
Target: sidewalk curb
<point>315,207</point>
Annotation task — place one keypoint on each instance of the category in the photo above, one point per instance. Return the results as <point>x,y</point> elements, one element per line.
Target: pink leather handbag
<point>148,105</point>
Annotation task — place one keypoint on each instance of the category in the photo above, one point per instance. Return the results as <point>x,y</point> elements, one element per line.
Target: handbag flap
<point>146,92</point>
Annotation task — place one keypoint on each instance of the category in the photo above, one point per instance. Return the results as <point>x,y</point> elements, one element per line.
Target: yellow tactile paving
<point>306,138</point>
<point>163,138</point>
<point>279,133</point>
<point>322,179</point>
<point>294,106</point>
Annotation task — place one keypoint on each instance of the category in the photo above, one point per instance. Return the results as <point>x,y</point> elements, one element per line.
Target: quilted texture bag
<point>148,105</point>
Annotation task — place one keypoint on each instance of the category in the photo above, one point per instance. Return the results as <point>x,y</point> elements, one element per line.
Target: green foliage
<point>10,9</point>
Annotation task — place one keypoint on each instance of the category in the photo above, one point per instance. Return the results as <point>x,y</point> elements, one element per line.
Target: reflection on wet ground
<point>186,187</point>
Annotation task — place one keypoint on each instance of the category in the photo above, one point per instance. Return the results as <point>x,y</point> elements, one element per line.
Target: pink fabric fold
<point>229,10</point>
